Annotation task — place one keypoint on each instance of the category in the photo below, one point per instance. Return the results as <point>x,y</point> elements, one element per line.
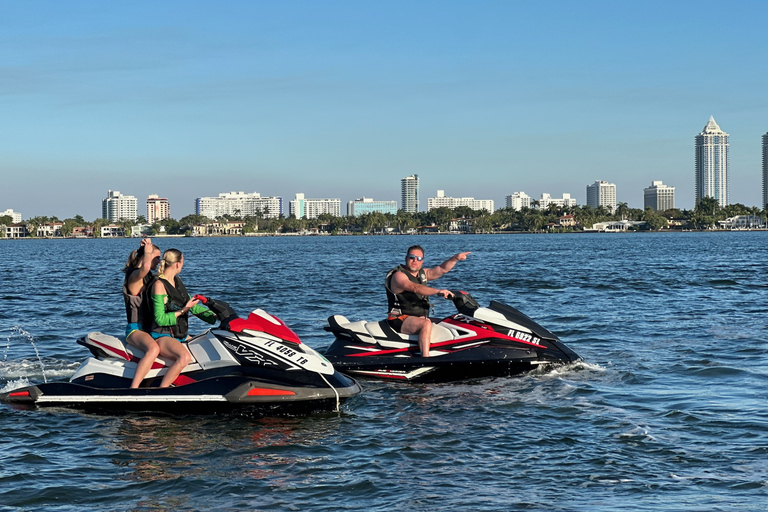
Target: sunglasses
<point>414,257</point>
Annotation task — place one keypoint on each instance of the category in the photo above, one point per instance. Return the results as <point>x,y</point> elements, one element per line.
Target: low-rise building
<point>562,202</point>
<point>17,230</point>
<point>301,207</point>
<point>367,205</point>
<point>112,231</point>
<point>743,222</point>
<point>49,230</point>
<point>442,201</point>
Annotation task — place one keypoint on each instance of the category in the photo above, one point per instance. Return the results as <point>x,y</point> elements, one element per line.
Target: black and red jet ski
<point>256,362</point>
<point>497,340</point>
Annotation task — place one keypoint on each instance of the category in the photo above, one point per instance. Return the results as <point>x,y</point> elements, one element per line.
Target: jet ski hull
<point>255,362</point>
<point>215,394</point>
<point>496,341</point>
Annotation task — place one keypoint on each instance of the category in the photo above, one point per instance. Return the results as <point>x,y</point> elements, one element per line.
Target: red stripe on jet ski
<point>19,393</point>
<point>112,349</point>
<point>258,323</point>
<point>183,379</point>
<point>487,332</point>
<point>123,354</point>
<point>269,392</point>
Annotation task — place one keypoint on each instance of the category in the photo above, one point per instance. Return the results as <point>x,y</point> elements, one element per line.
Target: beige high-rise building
<point>158,208</point>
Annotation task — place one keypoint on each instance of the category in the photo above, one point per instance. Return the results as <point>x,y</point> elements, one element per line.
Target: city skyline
<point>344,99</point>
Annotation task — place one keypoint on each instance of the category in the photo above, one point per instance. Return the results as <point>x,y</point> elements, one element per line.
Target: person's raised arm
<point>401,283</point>
<point>446,266</point>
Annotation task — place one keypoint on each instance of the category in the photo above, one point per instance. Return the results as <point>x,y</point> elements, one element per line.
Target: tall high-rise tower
<point>602,193</point>
<point>765,170</point>
<point>409,187</point>
<point>117,207</point>
<point>712,163</point>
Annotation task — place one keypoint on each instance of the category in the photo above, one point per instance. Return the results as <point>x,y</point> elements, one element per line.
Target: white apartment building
<point>659,197</point>
<point>712,163</point>
<point>158,208</point>
<point>15,216</point>
<point>117,207</point>
<point>602,193</point>
<point>239,204</point>
<point>441,201</point>
<point>367,205</point>
<point>518,201</point>
<point>300,207</point>
<point>409,193</point>
<point>562,202</point>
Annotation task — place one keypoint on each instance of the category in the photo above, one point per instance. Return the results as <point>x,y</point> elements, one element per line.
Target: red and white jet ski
<point>256,362</point>
<point>475,342</point>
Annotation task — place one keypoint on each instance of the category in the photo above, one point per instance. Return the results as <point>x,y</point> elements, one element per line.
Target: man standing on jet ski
<point>407,293</point>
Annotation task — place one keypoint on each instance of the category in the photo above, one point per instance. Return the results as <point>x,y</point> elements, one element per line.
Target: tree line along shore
<point>707,214</point>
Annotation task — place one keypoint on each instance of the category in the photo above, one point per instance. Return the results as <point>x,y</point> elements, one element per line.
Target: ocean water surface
<point>667,411</point>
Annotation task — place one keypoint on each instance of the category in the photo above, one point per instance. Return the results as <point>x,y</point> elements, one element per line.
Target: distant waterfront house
<point>112,231</point>
<point>567,221</point>
<point>49,230</point>
<point>743,222</point>
<point>82,232</point>
<point>18,230</point>
<point>141,229</point>
<point>226,228</point>
<point>460,226</point>
<point>616,226</point>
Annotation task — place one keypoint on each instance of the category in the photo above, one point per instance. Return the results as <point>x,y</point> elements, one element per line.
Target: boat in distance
<point>257,363</point>
<point>475,342</point>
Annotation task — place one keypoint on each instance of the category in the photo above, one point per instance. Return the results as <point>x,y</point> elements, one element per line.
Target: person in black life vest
<point>407,293</point>
<point>171,305</point>
<point>138,277</point>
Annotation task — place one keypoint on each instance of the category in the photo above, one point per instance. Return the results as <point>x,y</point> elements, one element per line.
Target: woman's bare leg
<point>171,348</point>
<point>151,349</point>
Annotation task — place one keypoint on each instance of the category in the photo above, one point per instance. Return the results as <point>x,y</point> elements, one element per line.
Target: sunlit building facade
<point>765,170</point>
<point>300,207</point>
<point>158,208</point>
<point>602,193</point>
<point>712,163</point>
<point>518,200</point>
<point>409,193</point>
<point>367,205</point>
<point>239,204</point>
<point>442,201</point>
<point>116,207</point>
<point>659,197</point>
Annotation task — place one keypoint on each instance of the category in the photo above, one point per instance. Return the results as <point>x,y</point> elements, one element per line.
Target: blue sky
<point>343,98</point>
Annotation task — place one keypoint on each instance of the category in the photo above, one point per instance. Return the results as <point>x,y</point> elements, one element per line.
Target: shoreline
<point>310,235</point>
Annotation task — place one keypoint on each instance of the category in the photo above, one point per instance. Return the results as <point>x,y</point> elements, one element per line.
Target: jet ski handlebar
<point>464,302</point>
<point>221,309</point>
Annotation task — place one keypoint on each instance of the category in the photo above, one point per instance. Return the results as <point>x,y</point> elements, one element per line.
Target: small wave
<point>717,371</point>
<point>15,384</point>
<point>25,368</point>
<point>723,282</point>
<point>569,370</point>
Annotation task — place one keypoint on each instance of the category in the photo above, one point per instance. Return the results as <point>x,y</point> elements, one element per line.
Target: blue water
<point>668,411</point>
